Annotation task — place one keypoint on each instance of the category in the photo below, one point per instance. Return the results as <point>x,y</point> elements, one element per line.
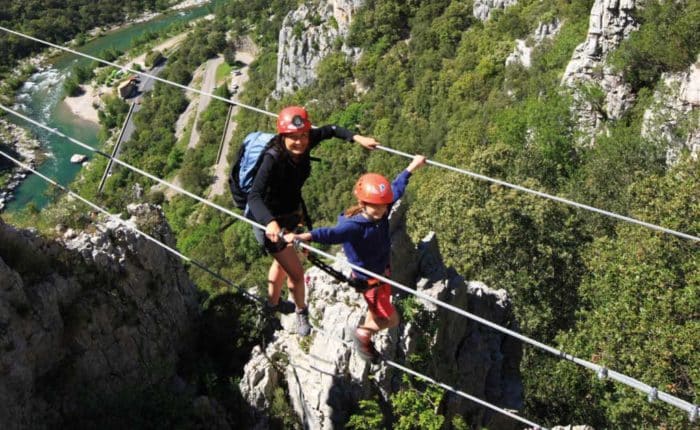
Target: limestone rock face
<point>324,377</point>
<point>87,313</point>
<point>308,34</point>
<point>675,115</point>
<point>483,8</point>
<point>610,23</point>
<point>523,51</point>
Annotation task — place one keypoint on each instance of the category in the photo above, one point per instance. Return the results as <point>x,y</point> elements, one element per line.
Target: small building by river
<point>129,87</point>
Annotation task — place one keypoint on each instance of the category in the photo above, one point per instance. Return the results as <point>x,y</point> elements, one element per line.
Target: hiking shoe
<point>284,307</point>
<point>303,326</point>
<point>364,346</point>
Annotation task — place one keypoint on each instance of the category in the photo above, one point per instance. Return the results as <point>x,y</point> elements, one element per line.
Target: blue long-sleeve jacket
<point>366,243</point>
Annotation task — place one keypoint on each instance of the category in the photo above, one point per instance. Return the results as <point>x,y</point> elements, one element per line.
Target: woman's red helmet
<point>293,119</point>
<point>374,188</point>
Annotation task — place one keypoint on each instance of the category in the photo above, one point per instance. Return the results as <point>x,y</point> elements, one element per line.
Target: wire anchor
<point>653,395</point>
<point>602,373</point>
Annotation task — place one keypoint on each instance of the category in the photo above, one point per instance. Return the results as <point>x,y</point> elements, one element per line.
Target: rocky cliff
<point>523,48</point>
<point>308,34</point>
<point>483,8</point>
<point>591,77</point>
<point>674,117</point>
<point>313,31</point>
<point>87,314</point>
<point>17,143</point>
<point>324,377</point>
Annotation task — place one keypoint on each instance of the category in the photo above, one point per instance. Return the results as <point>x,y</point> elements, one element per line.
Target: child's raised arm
<point>417,162</point>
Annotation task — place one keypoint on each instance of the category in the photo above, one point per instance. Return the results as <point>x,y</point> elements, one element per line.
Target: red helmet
<point>293,119</point>
<point>374,188</point>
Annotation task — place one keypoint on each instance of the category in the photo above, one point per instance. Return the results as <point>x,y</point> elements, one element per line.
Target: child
<point>364,232</point>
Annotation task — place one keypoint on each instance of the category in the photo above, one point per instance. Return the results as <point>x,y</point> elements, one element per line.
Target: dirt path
<point>208,86</point>
<point>221,169</point>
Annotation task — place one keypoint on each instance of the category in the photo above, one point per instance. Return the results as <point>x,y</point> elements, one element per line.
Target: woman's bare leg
<point>291,267</point>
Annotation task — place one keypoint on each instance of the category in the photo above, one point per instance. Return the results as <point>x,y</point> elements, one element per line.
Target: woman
<point>364,232</point>
<point>275,201</point>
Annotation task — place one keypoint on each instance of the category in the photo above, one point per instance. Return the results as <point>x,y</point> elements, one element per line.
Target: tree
<point>640,307</point>
<point>230,54</point>
<point>414,409</point>
<point>369,417</point>
<point>527,245</point>
<point>72,87</point>
<point>668,40</point>
<point>216,41</point>
<point>154,58</point>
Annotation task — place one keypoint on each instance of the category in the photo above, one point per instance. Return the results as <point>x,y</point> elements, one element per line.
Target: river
<point>40,99</point>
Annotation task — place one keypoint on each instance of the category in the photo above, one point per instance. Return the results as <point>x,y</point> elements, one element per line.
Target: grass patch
<point>222,73</point>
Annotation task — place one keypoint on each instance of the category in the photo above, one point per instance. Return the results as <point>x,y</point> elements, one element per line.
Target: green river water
<point>41,99</point>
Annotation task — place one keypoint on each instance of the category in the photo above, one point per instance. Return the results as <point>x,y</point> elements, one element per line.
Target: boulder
<point>78,158</point>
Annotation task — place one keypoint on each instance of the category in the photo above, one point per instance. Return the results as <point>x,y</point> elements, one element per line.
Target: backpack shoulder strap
<point>307,218</point>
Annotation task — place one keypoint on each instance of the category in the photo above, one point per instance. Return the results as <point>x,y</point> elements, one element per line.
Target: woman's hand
<point>366,142</point>
<point>417,162</point>
<point>272,231</point>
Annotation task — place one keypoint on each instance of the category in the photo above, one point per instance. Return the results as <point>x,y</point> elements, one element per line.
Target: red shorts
<point>379,301</point>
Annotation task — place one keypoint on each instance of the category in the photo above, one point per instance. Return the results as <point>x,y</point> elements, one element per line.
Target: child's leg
<point>374,323</point>
<point>381,314</point>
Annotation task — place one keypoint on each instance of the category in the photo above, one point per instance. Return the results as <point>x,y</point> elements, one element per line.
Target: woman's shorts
<point>288,222</point>
<point>379,301</point>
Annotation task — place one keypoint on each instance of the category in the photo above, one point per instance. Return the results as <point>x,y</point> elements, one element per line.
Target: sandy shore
<point>83,106</point>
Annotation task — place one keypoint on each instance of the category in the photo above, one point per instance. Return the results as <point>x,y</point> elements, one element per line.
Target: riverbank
<point>145,17</point>
<point>41,95</point>
<point>10,83</point>
<point>86,105</point>
<point>190,3</point>
<point>19,144</point>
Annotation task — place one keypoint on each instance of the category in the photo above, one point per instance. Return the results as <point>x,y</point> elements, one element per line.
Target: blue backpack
<point>246,165</point>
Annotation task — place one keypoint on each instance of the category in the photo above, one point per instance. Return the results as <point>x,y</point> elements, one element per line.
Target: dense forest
<point>435,82</point>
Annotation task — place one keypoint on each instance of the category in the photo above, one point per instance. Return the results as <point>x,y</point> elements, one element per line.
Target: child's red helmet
<point>293,119</point>
<point>374,188</point>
